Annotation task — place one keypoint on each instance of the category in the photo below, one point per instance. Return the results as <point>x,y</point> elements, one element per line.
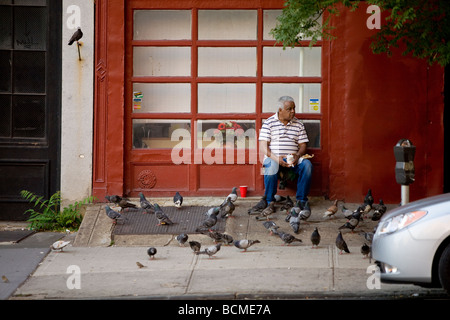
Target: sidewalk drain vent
<point>186,220</point>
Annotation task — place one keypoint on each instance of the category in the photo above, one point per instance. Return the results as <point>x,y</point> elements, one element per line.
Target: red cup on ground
<point>243,191</point>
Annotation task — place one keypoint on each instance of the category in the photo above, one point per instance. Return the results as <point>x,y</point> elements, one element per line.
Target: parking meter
<point>404,152</point>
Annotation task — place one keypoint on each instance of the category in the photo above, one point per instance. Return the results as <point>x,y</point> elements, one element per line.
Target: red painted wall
<point>374,102</point>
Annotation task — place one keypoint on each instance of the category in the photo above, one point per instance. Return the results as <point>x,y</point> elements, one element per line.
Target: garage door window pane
<point>226,97</point>
<point>162,24</point>
<point>295,62</point>
<point>162,61</point>
<point>306,96</point>
<point>227,62</point>
<point>157,134</point>
<point>227,24</point>
<point>161,97</point>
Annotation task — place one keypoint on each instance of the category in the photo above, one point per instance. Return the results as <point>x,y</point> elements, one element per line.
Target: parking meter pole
<point>404,152</point>
<point>405,194</point>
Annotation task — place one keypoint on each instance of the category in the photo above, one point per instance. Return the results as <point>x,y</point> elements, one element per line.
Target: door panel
<point>30,59</point>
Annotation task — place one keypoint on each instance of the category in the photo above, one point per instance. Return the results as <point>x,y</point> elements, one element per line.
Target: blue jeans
<point>304,171</point>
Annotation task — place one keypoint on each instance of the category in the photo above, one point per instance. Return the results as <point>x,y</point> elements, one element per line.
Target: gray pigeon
<point>227,208</point>
<point>177,200</point>
<point>288,204</point>
<point>315,238</point>
<point>288,238</point>
<point>210,251</point>
<point>212,211</point>
<point>215,235</point>
<point>182,238</point>
<point>279,198</point>
<point>59,245</point>
<point>226,238</point>
<point>233,195</point>
<point>124,204</point>
<point>294,220</point>
<point>163,219</point>
<point>367,235</point>
<point>209,222</point>
<point>347,212</point>
<point>151,252</point>
<point>271,226</point>
<point>114,215</point>
<point>258,207</point>
<point>305,212</point>
<point>379,210</point>
<point>195,246</point>
<point>270,209</point>
<point>245,244</point>
<point>341,244</point>
<point>145,204</point>
<point>350,224</point>
<point>76,36</point>
<point>365,250</point>
<point>113,198</point>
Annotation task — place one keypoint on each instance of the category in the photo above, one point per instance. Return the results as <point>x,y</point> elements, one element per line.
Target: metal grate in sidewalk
<point>186,220</point>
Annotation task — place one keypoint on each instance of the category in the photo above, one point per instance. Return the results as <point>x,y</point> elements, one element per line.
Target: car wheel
<point>444,269</point>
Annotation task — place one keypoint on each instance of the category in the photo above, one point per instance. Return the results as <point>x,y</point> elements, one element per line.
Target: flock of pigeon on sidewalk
<point>296,212</point>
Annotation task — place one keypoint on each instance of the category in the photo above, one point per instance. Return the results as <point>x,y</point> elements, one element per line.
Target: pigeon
<point>209,222</point>
<point>260,206</point>
<point>59,245</point>
<point>288,204</point>
<point>145,204</point>
<point>278,198</point>
<point>367,236</point>
<point>215,235</point>
<point>341,244</point>
<point>347,212</point>
<point>151,252</point>
<point>163,219</point>
<point>288,238</point>
<point>226,209</point>
<point>365,250</point>
<point>126,204</point>
<point>177,200</point>
<point>76,36</point>
<point>350,224</point>
<point>315,238</point>
<point>212,211</point>
<point>182,238</point>
<point>271,226</point>
<point>266,212</point>
<point>210,251</point>
<point>233,195</point>
<point>305,212</point>
<point>114,215</point>
<point>113,199</point>
<point>245,244</point>
<point>195,246</point>
<point>294,220</point>
<point>226,238</point>
<point>379,210</point>
<point>331,210</point>
<point>295,208</point>
<point>368,199</point>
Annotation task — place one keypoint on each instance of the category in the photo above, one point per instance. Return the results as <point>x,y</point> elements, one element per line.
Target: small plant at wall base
<point>47,215</point>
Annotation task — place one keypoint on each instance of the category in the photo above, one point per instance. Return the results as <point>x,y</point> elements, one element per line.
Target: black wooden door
<point>30,86</point>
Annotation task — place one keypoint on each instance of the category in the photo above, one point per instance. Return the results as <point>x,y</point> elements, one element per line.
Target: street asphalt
<point>98,265</point>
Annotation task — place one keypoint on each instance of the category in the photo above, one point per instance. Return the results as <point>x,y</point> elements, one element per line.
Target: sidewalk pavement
<point>98,266</point>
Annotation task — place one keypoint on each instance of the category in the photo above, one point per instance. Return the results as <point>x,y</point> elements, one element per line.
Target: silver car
<point>412,243</point>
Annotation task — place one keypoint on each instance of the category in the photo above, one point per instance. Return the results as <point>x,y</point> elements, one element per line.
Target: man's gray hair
<point>282,100</point>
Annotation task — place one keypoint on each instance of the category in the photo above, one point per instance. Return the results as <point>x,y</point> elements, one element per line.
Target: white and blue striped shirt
<point>283,140</point>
